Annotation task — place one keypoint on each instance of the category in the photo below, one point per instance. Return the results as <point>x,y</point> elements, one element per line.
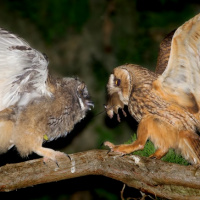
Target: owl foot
<point>46,159</point>
<point>152,156</point>
<point>115,148</point>
<point>50,154</point>
<point>56,155</point>
<point>158,154</point>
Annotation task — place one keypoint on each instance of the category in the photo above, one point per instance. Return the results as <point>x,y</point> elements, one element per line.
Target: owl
<point>166,103</point>
<point>34,106</point>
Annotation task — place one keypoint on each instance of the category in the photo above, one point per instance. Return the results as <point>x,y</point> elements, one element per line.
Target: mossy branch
<point>156,177</point>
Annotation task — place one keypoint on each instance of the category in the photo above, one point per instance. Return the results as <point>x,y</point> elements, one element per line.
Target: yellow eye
<point>117,82</point>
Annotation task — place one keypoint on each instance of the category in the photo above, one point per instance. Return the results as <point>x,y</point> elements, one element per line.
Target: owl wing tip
<point>22,69</point>
<point>181,78</point>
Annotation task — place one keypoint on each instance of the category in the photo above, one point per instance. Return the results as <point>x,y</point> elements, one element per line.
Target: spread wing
<point>180,82</point>
<point>23,71</point>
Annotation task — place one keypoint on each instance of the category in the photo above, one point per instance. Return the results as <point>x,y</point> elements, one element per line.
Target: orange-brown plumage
<point>165,103</point>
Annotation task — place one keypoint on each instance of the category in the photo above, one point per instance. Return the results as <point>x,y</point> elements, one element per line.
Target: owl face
<point>83,97</point>
<point>119,89</point>
<point>77,90</point>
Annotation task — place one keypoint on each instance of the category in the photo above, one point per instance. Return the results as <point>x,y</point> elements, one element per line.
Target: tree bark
<point>156,177</point>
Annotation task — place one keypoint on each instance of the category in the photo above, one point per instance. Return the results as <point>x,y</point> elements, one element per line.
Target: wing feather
<point>23,71</point>
<point>180,82</point>
<point>164,53</point>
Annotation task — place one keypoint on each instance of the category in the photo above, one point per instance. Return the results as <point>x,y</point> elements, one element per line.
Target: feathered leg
<point>159,153</point>
<point>49,153</point>
<point>149,128</point>
<point>142,136</point>
<point>31,141</point>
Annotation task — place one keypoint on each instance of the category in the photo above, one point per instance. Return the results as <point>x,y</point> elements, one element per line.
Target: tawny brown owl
<point>165,103</point>
<point>34,106</point>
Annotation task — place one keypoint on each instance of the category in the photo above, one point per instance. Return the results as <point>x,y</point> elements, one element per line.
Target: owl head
<point>119,89</point>
<point>122,83</point>
<point>77,90</point>
<point>84,97</point>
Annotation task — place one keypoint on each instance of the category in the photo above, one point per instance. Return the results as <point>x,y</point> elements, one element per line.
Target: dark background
<point>88,38</point>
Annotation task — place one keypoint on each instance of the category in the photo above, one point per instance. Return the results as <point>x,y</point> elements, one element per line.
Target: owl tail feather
<point>190,147</point>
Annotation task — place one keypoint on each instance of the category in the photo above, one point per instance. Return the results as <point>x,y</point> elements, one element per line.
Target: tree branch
<point>152,176</point>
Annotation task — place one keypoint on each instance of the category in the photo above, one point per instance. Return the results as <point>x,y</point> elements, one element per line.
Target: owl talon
<point>57,164</point>
<point>102,144</point>
<point>68,157</point>
<point>153,157</point>
<point>113,151</point>
<point>110,145</point>
<point>114,148</point>
<point>45,159</point>
<point>120,154</point>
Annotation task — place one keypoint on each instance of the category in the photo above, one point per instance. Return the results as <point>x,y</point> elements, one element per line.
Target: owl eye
<point>117,82</point>
<point>82,91</point>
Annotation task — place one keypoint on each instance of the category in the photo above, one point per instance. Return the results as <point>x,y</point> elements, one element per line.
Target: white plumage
<point>23,71</point>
